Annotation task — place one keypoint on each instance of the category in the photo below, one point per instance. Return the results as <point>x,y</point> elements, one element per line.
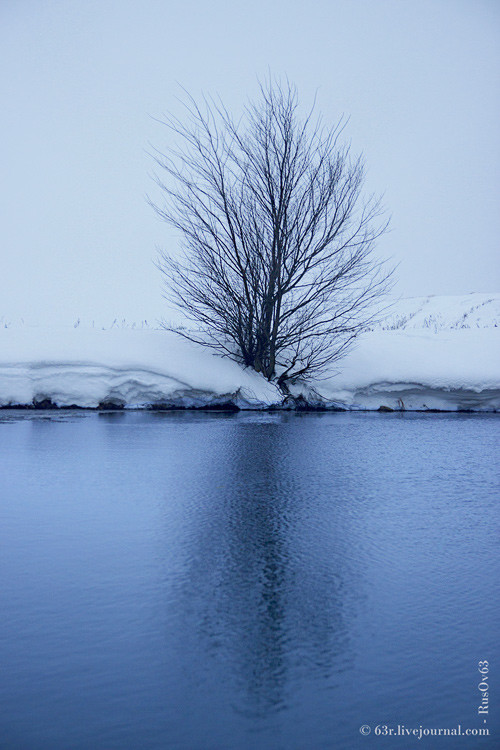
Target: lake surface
<point>189,581</point>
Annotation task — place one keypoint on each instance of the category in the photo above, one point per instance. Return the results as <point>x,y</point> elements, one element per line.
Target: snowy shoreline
<point>431,354</point>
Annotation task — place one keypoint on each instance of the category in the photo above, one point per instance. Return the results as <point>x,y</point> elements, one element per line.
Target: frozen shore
<point>431,353</point>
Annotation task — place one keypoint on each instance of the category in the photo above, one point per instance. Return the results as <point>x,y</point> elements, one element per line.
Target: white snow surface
<point>429,353</point>
<point>419,370</point>
<point>134,368</point>
<point>444,313</point>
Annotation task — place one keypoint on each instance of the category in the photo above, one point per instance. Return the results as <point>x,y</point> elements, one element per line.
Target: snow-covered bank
<point>134,368</point>
<point>419,370</point>
<point>430,353</point>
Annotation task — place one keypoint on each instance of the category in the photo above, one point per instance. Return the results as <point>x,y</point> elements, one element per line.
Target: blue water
<point>187,581</point>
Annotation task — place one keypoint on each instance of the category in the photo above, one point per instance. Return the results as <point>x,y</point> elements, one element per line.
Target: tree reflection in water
<point>264,591</point>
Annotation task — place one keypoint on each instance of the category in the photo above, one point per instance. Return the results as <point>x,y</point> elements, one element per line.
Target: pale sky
<point>82,81</point>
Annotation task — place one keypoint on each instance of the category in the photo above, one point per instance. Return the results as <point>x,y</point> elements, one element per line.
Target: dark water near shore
<point>184,581</point>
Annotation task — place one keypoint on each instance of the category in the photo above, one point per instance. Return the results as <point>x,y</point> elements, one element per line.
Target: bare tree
<point>278,270</point>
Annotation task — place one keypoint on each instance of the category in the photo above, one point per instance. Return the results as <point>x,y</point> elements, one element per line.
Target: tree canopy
<point>277,267</point>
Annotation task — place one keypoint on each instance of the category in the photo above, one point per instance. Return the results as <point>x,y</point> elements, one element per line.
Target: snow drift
<point>418,370</point>
<point>122,367</point>
<point>429,353</point>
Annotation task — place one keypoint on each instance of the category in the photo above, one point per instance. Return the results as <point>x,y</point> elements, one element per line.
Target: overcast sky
<point>82,81</point>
